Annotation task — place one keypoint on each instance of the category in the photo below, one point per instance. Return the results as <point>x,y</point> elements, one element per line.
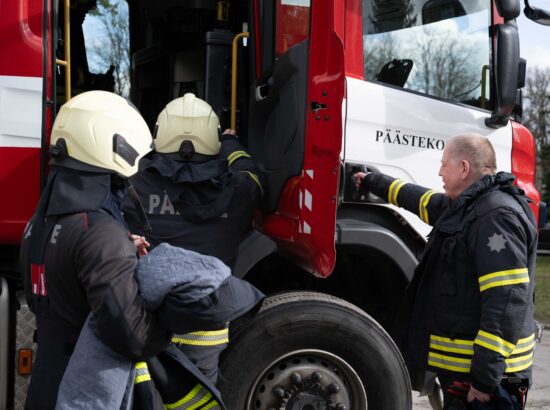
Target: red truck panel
<point>21,53</point>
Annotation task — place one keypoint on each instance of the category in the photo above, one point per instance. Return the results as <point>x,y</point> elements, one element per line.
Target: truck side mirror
<point>396,72</point>
<point>537,15</point>
<point>508,9</point>
<point>506,70</point>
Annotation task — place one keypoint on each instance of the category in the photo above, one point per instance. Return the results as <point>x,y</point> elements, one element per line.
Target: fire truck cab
<point>317,90</point>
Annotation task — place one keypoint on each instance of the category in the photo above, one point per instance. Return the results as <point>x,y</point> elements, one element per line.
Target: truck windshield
<point>440,48</point>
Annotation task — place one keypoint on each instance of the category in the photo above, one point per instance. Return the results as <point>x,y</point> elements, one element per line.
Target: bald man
<point>468,311</point>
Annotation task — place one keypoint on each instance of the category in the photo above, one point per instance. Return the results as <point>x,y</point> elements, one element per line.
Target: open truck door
<point>290,354</point>
<point>295,125</point>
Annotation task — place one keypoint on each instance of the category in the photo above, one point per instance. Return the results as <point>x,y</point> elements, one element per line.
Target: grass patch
<point>542,289</point>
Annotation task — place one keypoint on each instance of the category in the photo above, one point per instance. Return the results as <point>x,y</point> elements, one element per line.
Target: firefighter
<point>200,191</point>
<point>468,311</point>
<point>76,252</point>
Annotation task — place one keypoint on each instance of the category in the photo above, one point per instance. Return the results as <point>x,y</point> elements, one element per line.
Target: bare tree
<point>537,106</point>
<point>445,66</point>
<point>535,117</point>
<point>447,63</point>
<point>377,53</point>
<point>111,45</point>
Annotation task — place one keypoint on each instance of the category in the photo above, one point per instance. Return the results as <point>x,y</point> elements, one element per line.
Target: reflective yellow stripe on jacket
<point>197,399</point>
<point>256,180</point>
<point>142,373</point>
<point>524,345</point>
<point>236,155</point>
<point>393,191</point>
<point>503,278</point>
<point>448,354</point>
<point>516,364</point>
<point>522,355</point>
<point>495,343</point>
<point>203,338</point>
<point>423,205</point>
<point>455,364</point>
<point>452,345</point>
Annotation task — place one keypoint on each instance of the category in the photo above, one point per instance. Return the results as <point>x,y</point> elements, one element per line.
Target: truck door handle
<point>262,91</point>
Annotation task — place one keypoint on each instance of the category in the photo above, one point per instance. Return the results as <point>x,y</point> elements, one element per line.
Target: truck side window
<point>437,47</point>
<point>292,25</point>
<point>104,48</point>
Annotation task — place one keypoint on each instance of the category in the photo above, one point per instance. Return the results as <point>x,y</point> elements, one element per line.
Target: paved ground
<point>539,395</point>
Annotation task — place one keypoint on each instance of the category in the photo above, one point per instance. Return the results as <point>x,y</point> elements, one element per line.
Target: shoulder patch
<point>496,243</point>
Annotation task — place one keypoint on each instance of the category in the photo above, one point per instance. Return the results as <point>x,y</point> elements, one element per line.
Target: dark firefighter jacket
<point>206,207</point>
<point>170,379</point>
<point>78,259</point>
<point>201,294</point>
<point>470,303</point>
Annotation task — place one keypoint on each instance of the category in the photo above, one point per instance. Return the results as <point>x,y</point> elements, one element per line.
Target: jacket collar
<point>458,212</point>
<point>75,191</point>
<point>170,166</point>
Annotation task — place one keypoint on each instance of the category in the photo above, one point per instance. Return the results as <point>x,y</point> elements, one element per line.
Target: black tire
<point>274,357</point>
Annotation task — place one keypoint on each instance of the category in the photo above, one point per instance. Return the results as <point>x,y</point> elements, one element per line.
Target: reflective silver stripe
<point>203,338</point>
<point>192,400</point>
<point>452,345</point>
<point>449,363</point>
<point>494,343</point>
<point>503,278</point>
<point>213,405</point>
<point>524,345</point>
<point>142,373</point>
<point>519,363</point>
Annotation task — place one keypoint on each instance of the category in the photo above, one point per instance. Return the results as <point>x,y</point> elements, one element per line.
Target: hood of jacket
<point>455,217</point>
<point>205,188</point>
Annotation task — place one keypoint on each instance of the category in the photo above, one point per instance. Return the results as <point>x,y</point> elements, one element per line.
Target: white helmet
<point>188,118</point>
<point>102,132</point>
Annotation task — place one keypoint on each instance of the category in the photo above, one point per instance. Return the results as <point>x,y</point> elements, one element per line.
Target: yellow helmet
<point>102,132</point>
<point>188,118</point>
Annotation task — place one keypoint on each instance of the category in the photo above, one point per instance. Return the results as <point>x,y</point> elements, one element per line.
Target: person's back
<point>199,190</point>
<point>208,214</point>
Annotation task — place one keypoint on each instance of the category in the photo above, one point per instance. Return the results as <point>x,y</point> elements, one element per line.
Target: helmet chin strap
<point>145,226</point>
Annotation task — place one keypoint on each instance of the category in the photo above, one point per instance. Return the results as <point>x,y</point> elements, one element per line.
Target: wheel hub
<point>307,381</point>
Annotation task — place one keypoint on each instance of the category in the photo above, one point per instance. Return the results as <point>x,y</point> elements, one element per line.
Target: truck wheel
<point>311,351</point>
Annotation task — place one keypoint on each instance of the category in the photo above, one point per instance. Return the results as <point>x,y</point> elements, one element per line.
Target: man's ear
<point>465,165</point>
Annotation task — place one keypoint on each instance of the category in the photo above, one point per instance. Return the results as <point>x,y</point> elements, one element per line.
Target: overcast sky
<point>534,41</point>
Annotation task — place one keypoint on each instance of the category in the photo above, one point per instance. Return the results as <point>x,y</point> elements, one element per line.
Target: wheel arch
<point>253,248</point>
<point>374,265</point>
<point>364,226</point>
<point>355,232</point>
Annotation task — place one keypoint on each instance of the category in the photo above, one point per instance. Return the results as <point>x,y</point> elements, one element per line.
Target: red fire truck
<point>323,88</point>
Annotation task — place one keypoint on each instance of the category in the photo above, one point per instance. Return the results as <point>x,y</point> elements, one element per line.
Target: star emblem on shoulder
<point>497,242</point>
